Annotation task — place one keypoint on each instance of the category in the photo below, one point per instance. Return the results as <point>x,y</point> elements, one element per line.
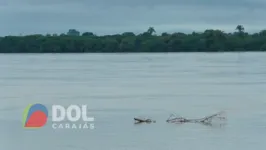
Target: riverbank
<point>148,42</point>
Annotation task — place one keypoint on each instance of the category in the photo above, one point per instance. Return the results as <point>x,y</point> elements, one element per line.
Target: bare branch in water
<point>206,120</point>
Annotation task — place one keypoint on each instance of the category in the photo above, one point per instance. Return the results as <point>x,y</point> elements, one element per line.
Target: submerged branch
<point>207,119</point>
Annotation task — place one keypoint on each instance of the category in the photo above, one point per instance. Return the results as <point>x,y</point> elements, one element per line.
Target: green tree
<point>87,34</point>
<point>240,28</point>
<point>73,32</point>
<point>263,47</point>
<point>262,33</point>
<point>210,40</point>
<point>128,34</point>
<point>151,30</point>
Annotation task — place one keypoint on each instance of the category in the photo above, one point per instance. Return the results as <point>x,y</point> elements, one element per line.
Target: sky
<point>21,17</point>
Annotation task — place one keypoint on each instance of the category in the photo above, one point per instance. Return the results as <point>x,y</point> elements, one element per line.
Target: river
<point>118,87</point>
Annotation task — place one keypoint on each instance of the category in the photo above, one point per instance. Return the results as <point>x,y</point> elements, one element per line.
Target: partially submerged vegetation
<point>205,120</point>
<point>208,120</point>
<point>142,120</point>
<point>74,42</point>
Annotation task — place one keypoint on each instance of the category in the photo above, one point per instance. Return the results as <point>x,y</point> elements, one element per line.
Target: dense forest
<point>75,42</point>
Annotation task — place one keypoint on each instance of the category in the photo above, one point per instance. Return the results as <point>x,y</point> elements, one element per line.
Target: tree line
<point>74,42</point>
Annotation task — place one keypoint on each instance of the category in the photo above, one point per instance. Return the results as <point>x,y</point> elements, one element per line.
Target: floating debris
<point>138,120</point>
<point>206,120</point>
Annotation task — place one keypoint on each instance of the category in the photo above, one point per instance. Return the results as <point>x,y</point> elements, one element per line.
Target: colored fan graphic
<point>35,116</point>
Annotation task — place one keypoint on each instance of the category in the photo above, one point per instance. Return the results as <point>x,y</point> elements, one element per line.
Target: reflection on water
<point>119,87</point>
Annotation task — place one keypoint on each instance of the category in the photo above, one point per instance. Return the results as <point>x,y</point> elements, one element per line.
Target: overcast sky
<point>118,16</point>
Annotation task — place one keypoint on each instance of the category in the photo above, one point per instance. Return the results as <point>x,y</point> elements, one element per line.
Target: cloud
<point>117,16</point>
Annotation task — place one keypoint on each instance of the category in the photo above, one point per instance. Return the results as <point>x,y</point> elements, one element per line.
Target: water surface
<point>118,87</point>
